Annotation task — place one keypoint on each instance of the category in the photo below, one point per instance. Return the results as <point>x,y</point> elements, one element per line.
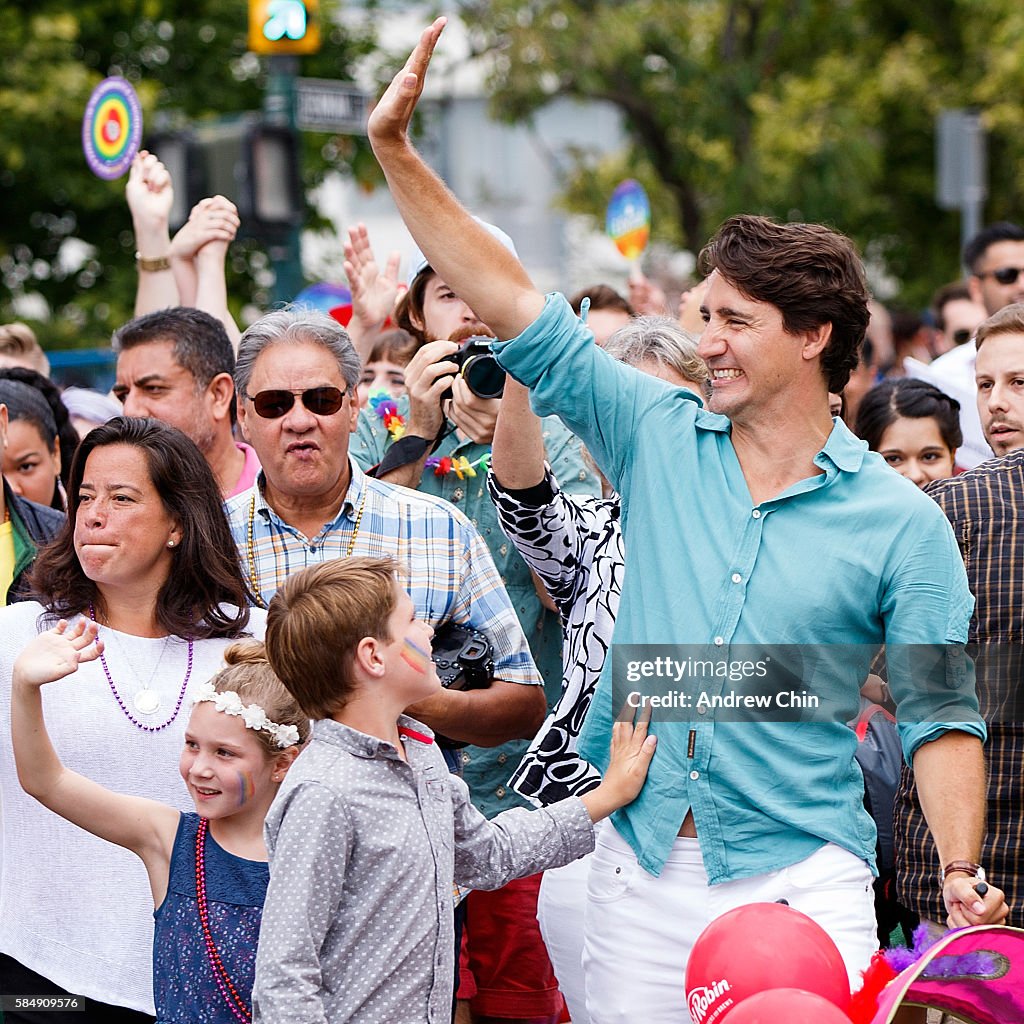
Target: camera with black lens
<point>463,657</point>
<point>478,367</point>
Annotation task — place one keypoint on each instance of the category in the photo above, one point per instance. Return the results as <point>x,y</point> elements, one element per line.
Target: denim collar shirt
<point>853,556</point>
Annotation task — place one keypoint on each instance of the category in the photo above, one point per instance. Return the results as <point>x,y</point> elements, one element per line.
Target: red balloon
<point>787,1006</point>
<point>756,948</point>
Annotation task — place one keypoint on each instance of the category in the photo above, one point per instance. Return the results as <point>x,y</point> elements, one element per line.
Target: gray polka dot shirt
<point>364,848</point>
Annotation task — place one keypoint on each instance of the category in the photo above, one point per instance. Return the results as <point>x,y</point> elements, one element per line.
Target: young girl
<point>914,426</point>
<point>208,871</point>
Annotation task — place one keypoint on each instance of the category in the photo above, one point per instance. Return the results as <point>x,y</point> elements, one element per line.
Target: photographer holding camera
<point>446,425</point>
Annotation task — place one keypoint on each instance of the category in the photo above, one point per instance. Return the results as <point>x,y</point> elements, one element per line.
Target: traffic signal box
<point>284,26</point>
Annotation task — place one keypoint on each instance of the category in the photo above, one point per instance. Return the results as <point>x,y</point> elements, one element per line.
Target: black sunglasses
<point>1004,275</point>
<point>273,404</point>
<point>962,335</point>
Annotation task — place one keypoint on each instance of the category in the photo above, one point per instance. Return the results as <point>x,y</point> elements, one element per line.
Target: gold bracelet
<point>152,265</point>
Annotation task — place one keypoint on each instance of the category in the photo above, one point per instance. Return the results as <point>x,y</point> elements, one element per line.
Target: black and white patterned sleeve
<point>551,537</point>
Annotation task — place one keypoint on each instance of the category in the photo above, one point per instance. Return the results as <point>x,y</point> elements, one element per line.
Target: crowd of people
<point>256,558</point>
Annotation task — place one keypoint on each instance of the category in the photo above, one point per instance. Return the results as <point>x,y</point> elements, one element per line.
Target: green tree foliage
<point>188,61</point>
<point>802,109</point>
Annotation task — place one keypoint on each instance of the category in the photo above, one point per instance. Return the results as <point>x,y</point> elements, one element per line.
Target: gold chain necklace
<point>254,578</point>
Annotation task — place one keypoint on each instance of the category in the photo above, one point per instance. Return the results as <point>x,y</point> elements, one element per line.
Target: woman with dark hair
<point>914,426</point>
<point>67,436</point>
<point>146,553</point>
<point>32,458</point>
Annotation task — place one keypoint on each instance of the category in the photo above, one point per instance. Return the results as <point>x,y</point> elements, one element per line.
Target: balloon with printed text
<point>758,948</point>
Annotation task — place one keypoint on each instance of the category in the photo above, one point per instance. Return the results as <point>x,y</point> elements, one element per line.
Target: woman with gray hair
<point>575,547</point>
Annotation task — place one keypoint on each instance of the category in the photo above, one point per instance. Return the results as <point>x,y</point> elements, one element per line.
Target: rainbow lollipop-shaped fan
<point>111,128</point>
<point>628,218</point>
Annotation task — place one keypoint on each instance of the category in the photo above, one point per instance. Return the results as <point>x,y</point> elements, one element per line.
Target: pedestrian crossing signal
<point>284,26</point>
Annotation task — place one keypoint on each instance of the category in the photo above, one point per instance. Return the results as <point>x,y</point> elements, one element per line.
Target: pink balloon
<point>756,948</point>
<point>787,1006</point>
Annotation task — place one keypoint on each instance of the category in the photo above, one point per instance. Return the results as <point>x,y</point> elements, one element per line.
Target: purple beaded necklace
<point>113,689</point>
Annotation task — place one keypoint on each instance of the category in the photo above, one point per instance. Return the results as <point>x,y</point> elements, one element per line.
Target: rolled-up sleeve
<point>927,609</point>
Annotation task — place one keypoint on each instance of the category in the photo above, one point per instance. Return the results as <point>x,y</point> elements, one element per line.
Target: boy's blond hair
<point>19,342</point>
<point>316,621</point>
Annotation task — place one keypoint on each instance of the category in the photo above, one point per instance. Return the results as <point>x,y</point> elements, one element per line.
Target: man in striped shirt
<point>296,379</point>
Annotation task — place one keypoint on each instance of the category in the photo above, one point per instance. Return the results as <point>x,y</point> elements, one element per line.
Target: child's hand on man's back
<point>631,753</point>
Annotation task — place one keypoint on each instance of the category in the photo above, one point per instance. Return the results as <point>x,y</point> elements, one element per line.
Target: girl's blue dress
<point>185,987</point>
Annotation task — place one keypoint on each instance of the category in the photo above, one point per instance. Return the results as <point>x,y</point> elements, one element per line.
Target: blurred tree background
<point>802,109</point>
<point>819,110</point>
<point>188,61</point>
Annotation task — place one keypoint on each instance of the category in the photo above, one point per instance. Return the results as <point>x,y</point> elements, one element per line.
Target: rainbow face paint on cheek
<point>246,788</point>
<point>415,657</point>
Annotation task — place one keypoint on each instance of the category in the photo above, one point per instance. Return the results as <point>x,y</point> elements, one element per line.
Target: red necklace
<point>236,1003</point>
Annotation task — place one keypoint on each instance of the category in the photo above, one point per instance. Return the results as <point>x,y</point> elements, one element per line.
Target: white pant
<point>560,909</point>
<point>639,929</point>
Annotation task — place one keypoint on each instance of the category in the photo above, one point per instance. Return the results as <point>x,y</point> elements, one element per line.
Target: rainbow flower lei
<point>387,409</point>
<point>460,465</point>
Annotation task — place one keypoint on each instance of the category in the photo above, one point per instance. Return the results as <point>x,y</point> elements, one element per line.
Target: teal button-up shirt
<point>853,555</point>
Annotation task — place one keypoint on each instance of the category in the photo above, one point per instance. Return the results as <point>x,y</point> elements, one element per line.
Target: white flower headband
<point>252,714</point>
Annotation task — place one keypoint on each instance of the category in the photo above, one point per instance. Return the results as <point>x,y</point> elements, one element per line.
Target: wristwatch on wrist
<point>152,265</point>
<point>966,866</point>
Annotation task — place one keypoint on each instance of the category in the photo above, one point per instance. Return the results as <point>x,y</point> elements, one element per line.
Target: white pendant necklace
<point>146,701</point>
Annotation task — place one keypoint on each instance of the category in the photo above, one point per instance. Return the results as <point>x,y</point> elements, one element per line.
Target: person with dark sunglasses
<point>995,259</point>
<point>956,316</point>
<point>296,378</point>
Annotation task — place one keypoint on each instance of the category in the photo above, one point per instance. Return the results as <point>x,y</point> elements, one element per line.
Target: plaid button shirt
<point>446,566</point>
<point>986,509</point>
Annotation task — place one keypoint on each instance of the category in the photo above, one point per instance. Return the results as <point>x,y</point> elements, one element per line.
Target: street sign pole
<point>279,109</point>
<point>323,105</point>
<point>961,168</point>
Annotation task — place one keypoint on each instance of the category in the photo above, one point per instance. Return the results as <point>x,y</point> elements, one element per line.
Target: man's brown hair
<point>1009,320</point>
<point>809,272</point>
<point>316,621</point>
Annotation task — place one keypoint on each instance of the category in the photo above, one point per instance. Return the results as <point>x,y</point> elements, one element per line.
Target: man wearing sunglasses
<point>956,316</point>
<point>296,378</point>
<point>995,259</point>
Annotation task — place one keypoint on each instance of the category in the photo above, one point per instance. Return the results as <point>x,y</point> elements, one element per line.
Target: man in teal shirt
<point>760,522</point>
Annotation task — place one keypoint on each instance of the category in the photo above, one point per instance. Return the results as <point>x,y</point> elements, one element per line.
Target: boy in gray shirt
<point>369,829</point>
